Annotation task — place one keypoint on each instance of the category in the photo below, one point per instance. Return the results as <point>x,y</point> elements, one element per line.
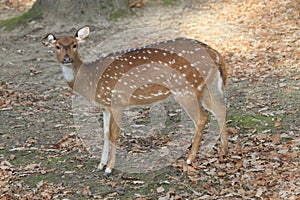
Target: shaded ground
<point>42,157</point>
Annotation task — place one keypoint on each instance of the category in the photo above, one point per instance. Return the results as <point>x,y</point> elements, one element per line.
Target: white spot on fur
<point>199,88</point>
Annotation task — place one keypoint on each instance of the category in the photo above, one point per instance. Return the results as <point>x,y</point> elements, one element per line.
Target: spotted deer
<point>191,71</point>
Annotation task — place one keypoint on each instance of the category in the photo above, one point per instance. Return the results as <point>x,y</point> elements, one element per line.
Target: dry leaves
<point>270,41</point>
<point>261,164</point>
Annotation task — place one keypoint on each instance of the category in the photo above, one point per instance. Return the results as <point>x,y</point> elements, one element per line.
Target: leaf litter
<point>262,52</point>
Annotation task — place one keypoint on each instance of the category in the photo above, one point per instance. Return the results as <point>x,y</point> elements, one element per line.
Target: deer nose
<point>67,59</point>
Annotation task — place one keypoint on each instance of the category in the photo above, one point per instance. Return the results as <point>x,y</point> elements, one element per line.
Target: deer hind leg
<point>214,102</point>
<point>106,147</point>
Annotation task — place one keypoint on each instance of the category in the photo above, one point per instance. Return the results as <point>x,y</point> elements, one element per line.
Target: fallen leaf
<point>194,179</point>
<point>259,193</point>
<point>275,138</point>
<point>138,182</point>
<point>86,191</point>
<point>160,189</point>
<point>12,157</point>
<point>40,184</point>
<point>31,166</point>
<point>190,170</point>
<point>221,174</point>
<point>113,184</point>
<point>277,124</point>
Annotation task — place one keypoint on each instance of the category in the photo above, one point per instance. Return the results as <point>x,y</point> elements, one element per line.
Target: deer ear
<point>82,34</point>
<point>49,40</point>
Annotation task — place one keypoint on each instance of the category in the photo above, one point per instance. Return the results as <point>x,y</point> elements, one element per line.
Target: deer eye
<point>74,46</point>
<point>57,47</point>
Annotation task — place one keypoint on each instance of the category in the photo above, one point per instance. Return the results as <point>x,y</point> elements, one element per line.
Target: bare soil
<point>42,157</point>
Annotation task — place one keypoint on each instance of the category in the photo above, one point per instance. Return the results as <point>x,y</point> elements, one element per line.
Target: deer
<point>191,71</point>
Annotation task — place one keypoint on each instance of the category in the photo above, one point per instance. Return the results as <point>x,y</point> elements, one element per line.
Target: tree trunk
<point>75,11</point>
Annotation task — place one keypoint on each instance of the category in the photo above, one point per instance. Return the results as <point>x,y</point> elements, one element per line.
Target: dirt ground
<point>42,157</point>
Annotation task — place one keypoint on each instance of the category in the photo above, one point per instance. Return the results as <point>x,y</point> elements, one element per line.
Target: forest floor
<point>42,155</point>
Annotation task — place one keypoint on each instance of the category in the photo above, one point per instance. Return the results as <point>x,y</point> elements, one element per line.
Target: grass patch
<point>23,158</point>
<point>259,123</point>
<point>34,179</point>
<point>168,2</point>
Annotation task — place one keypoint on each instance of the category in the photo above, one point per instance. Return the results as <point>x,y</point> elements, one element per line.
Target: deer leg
<point>113,137</point>
<point>216,105</point>
<point>106,147</point>
<point>200,125</point>
<point>194,109</point>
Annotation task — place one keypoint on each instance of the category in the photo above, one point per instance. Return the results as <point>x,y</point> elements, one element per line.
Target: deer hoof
<point>222,157</point>
<point>107,172</point>
<point>188,161</point>
<point>106,175</point>
<point>100,167</point>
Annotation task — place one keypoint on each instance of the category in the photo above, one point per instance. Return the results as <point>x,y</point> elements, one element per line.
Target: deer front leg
<point>114,130</point>
<point>197,113</point>
<point>198,136</point>
<point>106,147</point>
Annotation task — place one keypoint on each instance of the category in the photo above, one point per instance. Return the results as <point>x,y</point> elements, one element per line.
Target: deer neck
<point>82,78</point>
<point>70,71</point>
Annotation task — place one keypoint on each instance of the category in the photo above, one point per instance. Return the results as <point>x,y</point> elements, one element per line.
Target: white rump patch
<point>220,83</point>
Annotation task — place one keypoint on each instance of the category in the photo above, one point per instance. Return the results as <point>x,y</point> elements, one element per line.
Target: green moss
<point>259,122</point>
<point>12,23</point>
<point>118,13</point>
<point>34,179</point>
<point>170,2</point>
<point>56,160</point>
<point>23,158</point>
<point>118,9</point>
